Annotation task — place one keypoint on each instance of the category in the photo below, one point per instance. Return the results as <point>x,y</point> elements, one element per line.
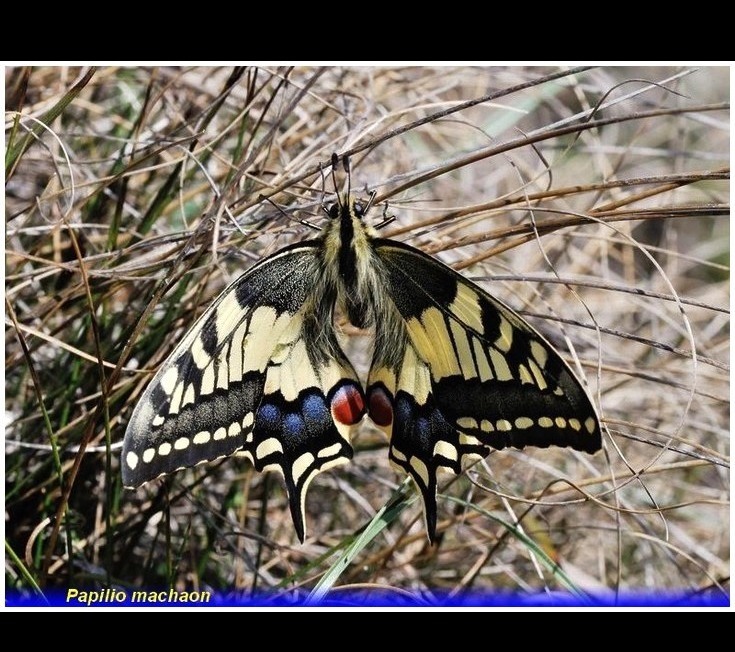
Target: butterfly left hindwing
<point>256,374</point>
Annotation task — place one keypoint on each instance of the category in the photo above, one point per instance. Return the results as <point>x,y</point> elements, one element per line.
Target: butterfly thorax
<point>354,271</point>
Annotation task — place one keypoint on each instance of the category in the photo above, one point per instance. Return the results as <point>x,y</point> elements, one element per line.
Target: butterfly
<point>455,372</point>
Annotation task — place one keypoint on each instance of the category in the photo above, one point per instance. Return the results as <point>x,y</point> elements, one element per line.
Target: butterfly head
<point>349,211</point>
<point>349,214</point>
<point>348,207</point>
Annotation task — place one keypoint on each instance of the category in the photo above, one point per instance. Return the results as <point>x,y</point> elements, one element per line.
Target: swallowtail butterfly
<point>455,372</point>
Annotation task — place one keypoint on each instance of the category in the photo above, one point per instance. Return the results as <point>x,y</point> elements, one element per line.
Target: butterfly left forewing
<point>472,375</point>
<point>201,403</point>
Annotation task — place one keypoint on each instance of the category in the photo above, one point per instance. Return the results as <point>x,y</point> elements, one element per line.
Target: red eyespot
<point>348,405</point>
<point>380,406</point>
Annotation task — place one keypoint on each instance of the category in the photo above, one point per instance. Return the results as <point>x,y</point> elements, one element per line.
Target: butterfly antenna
<point>346,166</point>
<point>335,162</point>
<point>324,182</point>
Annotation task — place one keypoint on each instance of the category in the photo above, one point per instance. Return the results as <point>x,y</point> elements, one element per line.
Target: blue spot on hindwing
<point>269,415</point>
<point>315,411</point>
<point>418,427</point>
<point>404,409</point>
<point>422,430</point>
<point>293,425</point>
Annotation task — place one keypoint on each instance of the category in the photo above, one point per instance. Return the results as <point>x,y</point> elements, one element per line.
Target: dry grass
<point>594,201</point>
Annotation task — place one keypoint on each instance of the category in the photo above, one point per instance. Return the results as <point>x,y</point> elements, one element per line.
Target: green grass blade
<point>27,576</point>
<point>384,517</point>
<point>16,149</point>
